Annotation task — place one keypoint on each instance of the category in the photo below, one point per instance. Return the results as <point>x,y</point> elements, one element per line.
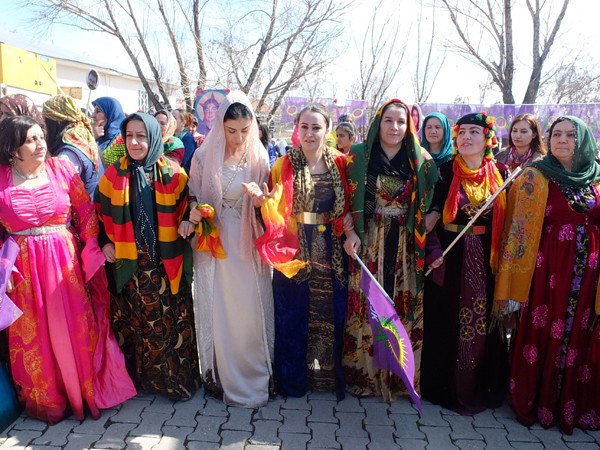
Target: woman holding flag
<point>391,178</point>
<point>464,365</point>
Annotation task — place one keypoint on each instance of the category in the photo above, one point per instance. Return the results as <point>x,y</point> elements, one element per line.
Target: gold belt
<point>475,230</point>
<point>312,218</point>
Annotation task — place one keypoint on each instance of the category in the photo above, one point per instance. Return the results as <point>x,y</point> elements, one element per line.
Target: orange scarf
<point>478,185</point>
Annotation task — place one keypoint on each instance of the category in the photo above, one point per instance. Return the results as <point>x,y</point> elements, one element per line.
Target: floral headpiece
<point>483,120</point>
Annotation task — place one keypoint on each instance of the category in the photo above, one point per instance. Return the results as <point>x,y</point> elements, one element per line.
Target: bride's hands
<point>257,194</point>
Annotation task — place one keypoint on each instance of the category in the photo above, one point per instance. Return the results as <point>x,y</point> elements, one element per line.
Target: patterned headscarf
<point>171,124</point>
<point>446,151</point>
<point>585,169</point>
<point>113,111</point>
<point>424,175</point>
<point>78,133</point>
<point>21,105</point>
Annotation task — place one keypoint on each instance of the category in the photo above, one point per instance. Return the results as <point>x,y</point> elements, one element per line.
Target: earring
<point>11,161</point>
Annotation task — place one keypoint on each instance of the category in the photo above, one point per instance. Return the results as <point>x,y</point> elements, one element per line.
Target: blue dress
<point>310,313</point>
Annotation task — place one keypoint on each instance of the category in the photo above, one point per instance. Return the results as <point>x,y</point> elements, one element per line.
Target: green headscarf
<point>585,169</point>
<point>424,177</point>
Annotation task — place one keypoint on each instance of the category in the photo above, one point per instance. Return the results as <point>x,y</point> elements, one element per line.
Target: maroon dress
<point>555,371</point>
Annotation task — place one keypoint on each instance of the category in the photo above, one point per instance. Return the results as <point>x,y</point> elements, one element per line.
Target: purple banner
<point>357,109</point>
<point>392,349</point>
<point>504,114</point>
<point>9,312</point>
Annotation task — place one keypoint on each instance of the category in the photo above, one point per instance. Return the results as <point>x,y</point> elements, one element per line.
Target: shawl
<point>424,177</point>
<point>21,105</point>
<point>113,111</point>
<point>446,151</point>
<point>205,185</point>
<point>280,245</point>
<point>520,239</point>
<point>173,147</point>
<point>206,169</point>
<point>585,168</point>
<point>78,133</point>
<point>123,190</point>
<point>114,151</point>
<point>478,184</point>
<point>511,158</point>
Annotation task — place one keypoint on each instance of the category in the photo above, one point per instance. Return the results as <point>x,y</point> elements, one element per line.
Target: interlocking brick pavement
<point>315,421</point>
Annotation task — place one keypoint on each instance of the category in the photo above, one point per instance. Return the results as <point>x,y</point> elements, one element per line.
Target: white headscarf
<point>207,166</point>
<point>205,185</point>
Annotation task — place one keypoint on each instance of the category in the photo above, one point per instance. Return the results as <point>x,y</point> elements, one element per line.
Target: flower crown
<point>483,120</point>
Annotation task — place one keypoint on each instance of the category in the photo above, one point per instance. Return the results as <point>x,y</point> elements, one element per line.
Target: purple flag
<point>392,349</point>
<point>9,312</point>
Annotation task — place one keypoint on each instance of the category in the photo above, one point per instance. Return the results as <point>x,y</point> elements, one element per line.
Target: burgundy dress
<point>555,372</point>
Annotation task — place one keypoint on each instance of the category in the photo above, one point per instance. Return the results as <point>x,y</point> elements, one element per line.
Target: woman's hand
<point>109,252</point>
<point>258,196</point>
<point>98,128</point>
<point>185,228</point>
<point>348,222</point>
<point>10,284</point>
<point>437,263</point>
<point>195,216</point>
<point>431,219</point>
<point>352,243</point>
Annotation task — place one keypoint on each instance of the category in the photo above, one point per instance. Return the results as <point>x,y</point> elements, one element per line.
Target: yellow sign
<point>75,92</point>
<point>27,70</point>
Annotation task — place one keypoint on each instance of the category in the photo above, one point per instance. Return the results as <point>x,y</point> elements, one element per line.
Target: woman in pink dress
<point>64,358</point>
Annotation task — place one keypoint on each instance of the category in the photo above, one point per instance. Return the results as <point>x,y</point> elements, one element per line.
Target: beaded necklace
<point>28,177</point>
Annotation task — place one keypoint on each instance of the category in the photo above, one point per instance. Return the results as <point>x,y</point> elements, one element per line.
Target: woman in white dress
<point>233,299</point>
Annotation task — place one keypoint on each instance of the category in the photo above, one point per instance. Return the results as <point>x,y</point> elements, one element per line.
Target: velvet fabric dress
<point>64,358</point>
<point>555,359</point>
<point>303,242</point>
<point>549,269</point>
<point>464,366</point>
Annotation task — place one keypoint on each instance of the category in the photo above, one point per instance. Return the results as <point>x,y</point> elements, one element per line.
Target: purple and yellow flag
<point>392,349</point>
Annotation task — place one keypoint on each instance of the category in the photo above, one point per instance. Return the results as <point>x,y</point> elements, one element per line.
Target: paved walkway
<point>314,421</point>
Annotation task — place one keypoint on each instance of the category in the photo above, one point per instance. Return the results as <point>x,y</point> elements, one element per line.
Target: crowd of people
<point>153,259</point>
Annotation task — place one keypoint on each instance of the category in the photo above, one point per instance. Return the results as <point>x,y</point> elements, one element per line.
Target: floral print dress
<point>555,372</point>
<point>388,253</point>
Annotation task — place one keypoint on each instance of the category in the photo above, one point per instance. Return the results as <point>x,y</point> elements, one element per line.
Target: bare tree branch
<point>499,59</point>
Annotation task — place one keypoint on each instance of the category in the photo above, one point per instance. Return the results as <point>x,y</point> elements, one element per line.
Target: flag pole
<point>479,212</point>
<point>368,272</point>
